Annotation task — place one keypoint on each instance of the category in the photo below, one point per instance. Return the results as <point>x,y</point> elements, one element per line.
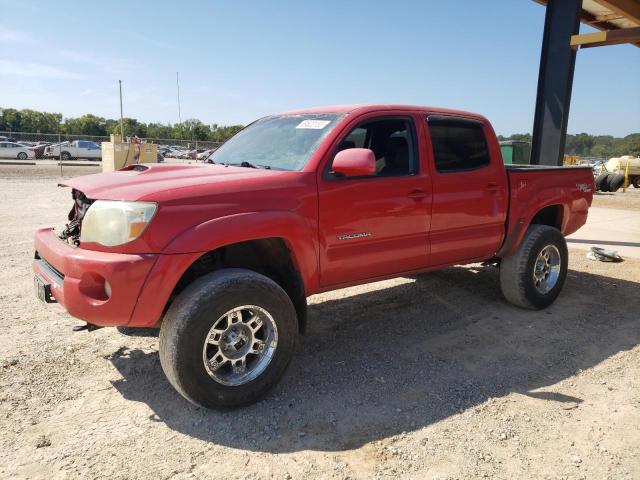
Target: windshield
<point>284,142</point>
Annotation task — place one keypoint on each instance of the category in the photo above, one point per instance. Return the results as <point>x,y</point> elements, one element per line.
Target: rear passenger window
<point>458,144</point>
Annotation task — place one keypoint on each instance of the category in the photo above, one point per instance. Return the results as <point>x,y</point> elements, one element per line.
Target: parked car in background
<point>163,151</point>
<point>187,154</point>
<point>169,152</point>
<point>15,150</point>
<point>38,149</point>
<point>74,150</point>
<point>7,139</point>
<point>203,156</point>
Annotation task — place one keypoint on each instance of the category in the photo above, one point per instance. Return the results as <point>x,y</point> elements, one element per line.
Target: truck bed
<point>522,167</point>
<point>565,192</point>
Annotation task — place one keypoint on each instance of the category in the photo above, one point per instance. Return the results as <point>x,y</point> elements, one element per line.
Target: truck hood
<point>153,181</point>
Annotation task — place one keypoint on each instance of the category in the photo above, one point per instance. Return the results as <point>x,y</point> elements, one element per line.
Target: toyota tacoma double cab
<point>221,256</point>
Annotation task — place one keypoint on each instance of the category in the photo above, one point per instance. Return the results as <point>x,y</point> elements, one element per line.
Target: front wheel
<point>22,156</point>
<point>534,275</point>
<point>228,338</point>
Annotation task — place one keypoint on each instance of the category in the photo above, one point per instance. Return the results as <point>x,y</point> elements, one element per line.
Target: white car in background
<point>74,150</point>
<point>15,150</point>
<point>204,156</point>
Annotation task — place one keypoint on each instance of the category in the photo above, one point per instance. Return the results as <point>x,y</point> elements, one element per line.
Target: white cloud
<point>101,60</point>
<point>7,35</point>
<point>38,70</point>
<point>89,91</point>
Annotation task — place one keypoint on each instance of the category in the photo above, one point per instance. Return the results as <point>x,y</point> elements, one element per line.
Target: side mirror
<point>354,162</point>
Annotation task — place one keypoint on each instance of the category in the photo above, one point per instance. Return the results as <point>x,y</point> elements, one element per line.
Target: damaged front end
<point>71,232</point>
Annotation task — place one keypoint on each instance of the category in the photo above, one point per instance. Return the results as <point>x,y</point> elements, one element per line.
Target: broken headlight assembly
<point>112,223</point>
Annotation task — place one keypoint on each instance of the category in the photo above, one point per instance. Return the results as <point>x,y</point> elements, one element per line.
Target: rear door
<point>375,225</point>
<point>82,149</point>
<point>469,190</point>
<point>94,150</point>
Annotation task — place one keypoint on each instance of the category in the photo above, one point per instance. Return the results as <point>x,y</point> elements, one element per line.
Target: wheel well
<point>268,256</point>
<point>551,216</point>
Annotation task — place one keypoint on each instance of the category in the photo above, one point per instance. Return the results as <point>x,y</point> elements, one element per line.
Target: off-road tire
<point>22,156</point>
<point>65,156</point>
<point>602,182</point>
<point>636,182</point>
<point>191,316</point>
<point>615,182</point>
<point>516,270</point>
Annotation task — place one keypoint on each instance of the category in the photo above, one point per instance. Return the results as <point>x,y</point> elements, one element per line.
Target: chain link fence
<point>67,147</point>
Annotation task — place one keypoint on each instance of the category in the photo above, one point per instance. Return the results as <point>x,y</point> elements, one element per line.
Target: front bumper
<point>77,279</point>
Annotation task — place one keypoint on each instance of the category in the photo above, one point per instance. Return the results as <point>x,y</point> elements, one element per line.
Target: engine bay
<point>71,232</point>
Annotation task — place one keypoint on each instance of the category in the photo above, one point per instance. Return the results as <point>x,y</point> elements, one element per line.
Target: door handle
<point>493,187</point>
<point>417,194</point>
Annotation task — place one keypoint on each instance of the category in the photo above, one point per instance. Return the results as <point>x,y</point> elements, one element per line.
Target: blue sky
<point>239,60</point>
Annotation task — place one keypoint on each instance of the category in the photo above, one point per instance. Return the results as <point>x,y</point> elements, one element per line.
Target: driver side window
<point>392,141</point>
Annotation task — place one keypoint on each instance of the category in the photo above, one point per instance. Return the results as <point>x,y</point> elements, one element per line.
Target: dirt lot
<point>628,200</point>
<point>417,378</point>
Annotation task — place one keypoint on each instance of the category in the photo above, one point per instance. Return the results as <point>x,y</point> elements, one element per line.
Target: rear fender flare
<point>518,230</point>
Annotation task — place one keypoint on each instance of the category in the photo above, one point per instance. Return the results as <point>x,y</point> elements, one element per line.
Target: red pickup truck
<point>222,255</point>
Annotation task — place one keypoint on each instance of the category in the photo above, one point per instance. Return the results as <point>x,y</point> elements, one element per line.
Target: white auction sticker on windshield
<point>314,124</point>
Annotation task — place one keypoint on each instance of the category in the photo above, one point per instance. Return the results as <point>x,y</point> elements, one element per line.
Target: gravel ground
<point>428,377</point>
<point>627,200</point>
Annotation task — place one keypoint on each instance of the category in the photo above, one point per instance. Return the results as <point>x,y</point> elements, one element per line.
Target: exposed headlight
<point>111,223</point>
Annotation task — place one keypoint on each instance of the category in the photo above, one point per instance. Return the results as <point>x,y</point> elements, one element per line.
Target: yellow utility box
<point>117,154</point>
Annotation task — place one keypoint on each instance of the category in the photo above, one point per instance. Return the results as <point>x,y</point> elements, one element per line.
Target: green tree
<point>11,120</point>
<point>580,144</point>
<point>131,128</point>
<point>521,137</point>
<point>191,129</point>
<point>158,130</point>
<point>39,122</point>
<point>223,133</point>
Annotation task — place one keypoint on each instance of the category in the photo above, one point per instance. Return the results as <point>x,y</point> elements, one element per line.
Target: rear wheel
<point>534,275</point>
<point>636,182</point>
<point>65,156</point>
<point>228,338</point>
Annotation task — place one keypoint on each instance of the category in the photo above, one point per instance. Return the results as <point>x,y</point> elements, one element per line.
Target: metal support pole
<point>60,152</point>
<point>557,62</point>
<point>121,117</point>
<point>179,109</point>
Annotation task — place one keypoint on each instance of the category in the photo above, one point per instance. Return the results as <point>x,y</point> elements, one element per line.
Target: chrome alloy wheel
<point>546,270</point>
<point>240,345</point>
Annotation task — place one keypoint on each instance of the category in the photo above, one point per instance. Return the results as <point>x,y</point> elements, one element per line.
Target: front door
<point>376,225</point>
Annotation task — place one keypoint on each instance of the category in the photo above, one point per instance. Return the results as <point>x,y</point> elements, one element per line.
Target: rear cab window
<point>459,144</point>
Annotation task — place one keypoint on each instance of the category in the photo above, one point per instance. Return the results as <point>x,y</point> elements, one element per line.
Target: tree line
<point>599,146</point>
<point>32,121</point>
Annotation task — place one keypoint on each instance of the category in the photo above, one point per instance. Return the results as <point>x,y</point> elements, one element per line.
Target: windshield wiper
<point>248,165</point>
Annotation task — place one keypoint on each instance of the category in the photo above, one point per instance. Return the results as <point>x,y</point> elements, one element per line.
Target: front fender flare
<point>299,235</point>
